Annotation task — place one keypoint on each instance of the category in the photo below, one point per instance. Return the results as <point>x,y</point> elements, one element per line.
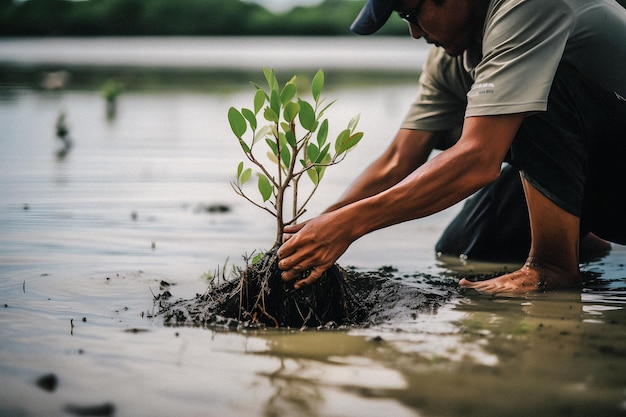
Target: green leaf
<point>317,84</point>
<point>245,175</point>
<point>349,141</point>
<point>275,102</point>
<point>239,169</point>
<point>270,115</point>
<point>355,139</point>
<point>323,155</point>
<point>283,140</point>
<point>354,122</point>
<point>307,116</point>
<point>262,133</point>
<point>237,122</point>
<point>322,169</point>
<point>273,158</point>
<point>321,112</point>
<point>285,155</point>
<point>291,111</point>
<point>313,176</point>
<point>259,100</point>
<point>244,146</point>
<point>265,187</point>
<point>312,152</point>
<point>270,77</point>
<point>288,93</point>
<point>250,117</point>
<point>322,134</point>
<point>340,141</point>
<point>291,138</point>
<point>320,172</point>
<point>272,145</point>
<point>258,87</point>
<point>257,258</point>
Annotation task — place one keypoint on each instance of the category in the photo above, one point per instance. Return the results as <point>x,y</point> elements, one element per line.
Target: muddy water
<point>87,239</point>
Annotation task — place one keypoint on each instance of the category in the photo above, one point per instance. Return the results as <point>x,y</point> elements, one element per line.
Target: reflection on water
<point>87,239</point>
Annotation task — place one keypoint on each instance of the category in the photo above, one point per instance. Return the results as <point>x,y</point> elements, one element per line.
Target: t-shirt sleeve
<point>523,44</point>
<point>441,100</point>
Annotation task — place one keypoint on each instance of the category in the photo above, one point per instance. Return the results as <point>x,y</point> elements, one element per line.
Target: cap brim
<point>373,16</point>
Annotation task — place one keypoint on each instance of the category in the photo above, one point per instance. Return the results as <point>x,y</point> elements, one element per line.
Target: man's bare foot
<point>533,276</point>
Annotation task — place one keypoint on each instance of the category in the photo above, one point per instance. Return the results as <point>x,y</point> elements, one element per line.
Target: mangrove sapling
<point>296,139</point>
<point>110,92</point>
<point>294,135</point>
<point>63,134</point>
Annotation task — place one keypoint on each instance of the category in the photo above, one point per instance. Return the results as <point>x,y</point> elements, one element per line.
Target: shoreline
<point>218,53</point>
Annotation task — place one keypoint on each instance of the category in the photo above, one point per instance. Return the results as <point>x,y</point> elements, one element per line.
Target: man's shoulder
<point>527,11</point>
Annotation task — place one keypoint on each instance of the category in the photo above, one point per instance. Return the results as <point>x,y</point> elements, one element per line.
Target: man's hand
<point>311,248</point>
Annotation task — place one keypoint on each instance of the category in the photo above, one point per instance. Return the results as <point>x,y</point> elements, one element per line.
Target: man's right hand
<point>310,248</point>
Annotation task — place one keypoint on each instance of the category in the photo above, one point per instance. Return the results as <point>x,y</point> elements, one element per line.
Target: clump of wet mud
<point>258,297</point>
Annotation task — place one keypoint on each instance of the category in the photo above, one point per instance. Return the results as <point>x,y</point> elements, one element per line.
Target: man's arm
<point>408,151</point>
<point>439,183</point>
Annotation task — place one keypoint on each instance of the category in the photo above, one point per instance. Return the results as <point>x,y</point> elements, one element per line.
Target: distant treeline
<point>178,18</point>
<point>175,18</point>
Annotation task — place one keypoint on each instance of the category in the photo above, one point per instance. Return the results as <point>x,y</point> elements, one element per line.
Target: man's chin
<point>453,53</point>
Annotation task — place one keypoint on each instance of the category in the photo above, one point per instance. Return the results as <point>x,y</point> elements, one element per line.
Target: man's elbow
<point>484,171</point>
<point>490,173</point>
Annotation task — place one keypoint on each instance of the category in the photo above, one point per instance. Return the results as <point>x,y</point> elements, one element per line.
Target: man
<point>544,85</point>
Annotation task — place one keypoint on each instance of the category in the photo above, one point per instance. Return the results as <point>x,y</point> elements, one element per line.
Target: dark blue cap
<point>373,16</point>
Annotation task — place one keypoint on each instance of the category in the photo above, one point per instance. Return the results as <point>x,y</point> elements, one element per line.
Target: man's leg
<point>553,258</point>
<point>554,232</point>
<point>493,226</point>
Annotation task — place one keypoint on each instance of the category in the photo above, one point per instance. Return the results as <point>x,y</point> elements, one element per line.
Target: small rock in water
<point>106,409</point>
<point>48,382</point>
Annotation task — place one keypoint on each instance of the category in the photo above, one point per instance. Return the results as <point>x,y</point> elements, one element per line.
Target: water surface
<point>86,239</point>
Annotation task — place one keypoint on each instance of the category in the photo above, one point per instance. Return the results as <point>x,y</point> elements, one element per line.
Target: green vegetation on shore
<point>180,18</point>
<point>176,18</point>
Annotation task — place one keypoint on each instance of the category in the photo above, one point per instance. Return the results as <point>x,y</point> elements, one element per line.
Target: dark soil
<point>258,297</point>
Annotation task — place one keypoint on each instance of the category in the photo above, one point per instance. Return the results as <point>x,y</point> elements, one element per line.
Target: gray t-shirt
<point>513,69</point>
